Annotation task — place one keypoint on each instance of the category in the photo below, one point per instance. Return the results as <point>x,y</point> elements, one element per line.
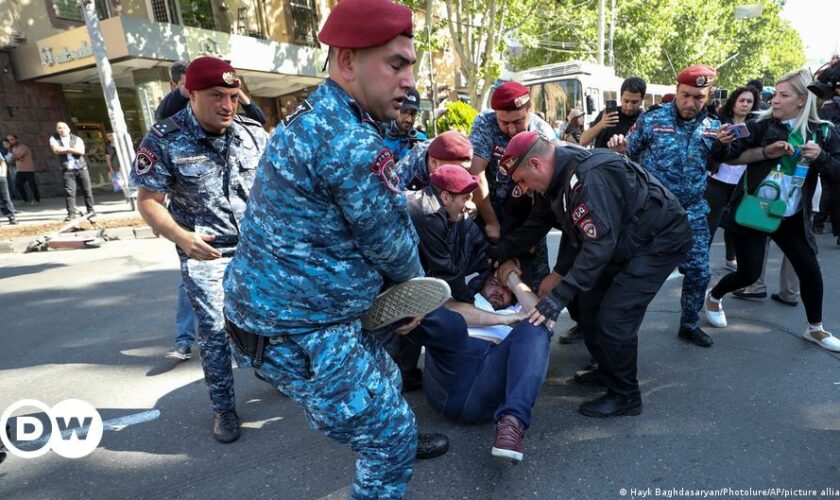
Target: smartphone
<point>612,106</point>
<point>739,130</point>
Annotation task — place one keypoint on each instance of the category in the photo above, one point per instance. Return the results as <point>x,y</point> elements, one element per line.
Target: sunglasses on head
<point>509,167</point>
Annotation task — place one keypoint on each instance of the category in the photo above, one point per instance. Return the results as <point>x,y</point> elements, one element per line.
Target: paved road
<point>760,410</point>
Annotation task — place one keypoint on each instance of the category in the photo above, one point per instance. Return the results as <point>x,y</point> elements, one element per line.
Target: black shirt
<point>622,127</point>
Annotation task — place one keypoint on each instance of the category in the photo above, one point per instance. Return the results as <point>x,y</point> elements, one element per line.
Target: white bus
<point>557,88</point>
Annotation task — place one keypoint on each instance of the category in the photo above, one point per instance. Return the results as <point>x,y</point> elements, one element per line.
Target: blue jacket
<point>325,223</point>
<point>677,152</point>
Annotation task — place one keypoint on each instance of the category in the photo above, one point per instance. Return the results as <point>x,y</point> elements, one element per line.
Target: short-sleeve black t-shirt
<point>622,127</point>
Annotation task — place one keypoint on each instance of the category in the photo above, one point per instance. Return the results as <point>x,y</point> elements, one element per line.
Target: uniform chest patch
<point>301,110</point>
<point>498,151</point>
<point>664,129</point>
<point>145,161</point>
<point>588,228</point>
<point>384,167</point>
<point>579,213</point>
<point>574,183</point>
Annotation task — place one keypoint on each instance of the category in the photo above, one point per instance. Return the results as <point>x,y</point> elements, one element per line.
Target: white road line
<point>115,424</point>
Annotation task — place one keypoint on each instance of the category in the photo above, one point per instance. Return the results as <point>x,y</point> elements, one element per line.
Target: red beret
<point>206,72</point>
<point>510,96</point>
<point>451,146</point>
<point>698,75</point>
<point>359,24</point>
<point>454,178</point>
<point>667,97</point>
<point>516,149</point>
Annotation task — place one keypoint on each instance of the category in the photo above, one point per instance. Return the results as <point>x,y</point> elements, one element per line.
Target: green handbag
<point>761,214</point>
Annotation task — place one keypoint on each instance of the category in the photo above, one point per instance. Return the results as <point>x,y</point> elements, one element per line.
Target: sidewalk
<point>37,219</point>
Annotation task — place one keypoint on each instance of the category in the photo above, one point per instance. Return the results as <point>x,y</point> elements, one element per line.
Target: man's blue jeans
<point>184,318</point>
<point>470,380</point>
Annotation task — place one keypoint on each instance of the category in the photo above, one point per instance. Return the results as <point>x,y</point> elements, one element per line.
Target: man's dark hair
<point>757,84</point>
<point>177,70</point>
<point>634,85</point>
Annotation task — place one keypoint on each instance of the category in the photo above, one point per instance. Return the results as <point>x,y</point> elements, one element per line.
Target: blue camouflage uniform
<point>489,143</point>
<point>676,151</point>
<point>208,179</point>
<point>413,168</point>
<point>325,223</point>
<point>401,144</point>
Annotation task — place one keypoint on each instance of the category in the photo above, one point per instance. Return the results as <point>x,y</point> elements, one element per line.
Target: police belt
<point>251,344</point>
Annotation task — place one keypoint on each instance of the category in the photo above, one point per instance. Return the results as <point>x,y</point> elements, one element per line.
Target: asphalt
<point>760,410</point>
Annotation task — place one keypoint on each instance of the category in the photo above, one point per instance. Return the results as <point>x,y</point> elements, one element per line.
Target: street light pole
<point>122,141</point>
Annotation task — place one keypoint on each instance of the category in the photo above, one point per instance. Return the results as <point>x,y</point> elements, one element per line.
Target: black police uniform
<point>623,234</point>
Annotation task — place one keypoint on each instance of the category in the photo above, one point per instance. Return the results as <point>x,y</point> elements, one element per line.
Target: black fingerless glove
<point>550,307</point>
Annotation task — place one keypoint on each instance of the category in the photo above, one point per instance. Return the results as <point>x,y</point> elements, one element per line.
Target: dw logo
<point>75,429</point>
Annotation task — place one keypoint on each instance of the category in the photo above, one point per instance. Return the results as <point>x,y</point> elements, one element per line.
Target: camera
<point>828,79</point>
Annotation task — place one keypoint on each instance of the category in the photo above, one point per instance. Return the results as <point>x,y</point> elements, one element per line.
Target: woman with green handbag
<point>788,146</point>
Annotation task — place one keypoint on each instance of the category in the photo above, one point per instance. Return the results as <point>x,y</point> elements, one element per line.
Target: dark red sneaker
<point>509,435</point>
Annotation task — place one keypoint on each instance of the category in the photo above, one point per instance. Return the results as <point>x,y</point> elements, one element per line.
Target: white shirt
<point>496,333</point>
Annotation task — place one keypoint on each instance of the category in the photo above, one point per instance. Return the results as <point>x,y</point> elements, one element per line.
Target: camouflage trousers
<point>203,282</point>
<point>350,389</point>
<point>695,268</point>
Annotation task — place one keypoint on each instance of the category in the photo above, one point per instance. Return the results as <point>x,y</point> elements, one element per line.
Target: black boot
<point>612,405</point>
<point>226,426</point>
<point>431,445</point>
<point>696,336</point>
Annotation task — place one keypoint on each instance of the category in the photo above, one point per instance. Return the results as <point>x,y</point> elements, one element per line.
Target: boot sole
<point>629,412</point>
<point>415,297</point>
<point>178,357</point>
<point>513,456</point>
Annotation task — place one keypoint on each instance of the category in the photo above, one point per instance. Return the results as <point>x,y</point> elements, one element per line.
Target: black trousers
<point>718,194</point>
<point>27,178</point>
<point>82,177</point>
<point>750,246</point>
<point>611,313</point>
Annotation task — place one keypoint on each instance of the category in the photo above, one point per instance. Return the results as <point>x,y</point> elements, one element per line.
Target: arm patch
<point>145,161</point>
<point>383,166</point>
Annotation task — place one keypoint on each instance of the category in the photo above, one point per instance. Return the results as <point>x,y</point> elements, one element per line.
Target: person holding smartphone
<point>779,138</point>
<point>617,119</point>
<point>721,183</point>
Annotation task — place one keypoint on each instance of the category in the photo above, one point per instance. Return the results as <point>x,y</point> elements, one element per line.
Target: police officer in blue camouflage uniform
<point>674,143</point>
<point>325,223</point>
<point>499,204</point>
<point>204,158</point>
<point>401,136</point>
<point>450,147</point>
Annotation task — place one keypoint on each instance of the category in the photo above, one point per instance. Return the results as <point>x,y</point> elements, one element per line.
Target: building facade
<point>49,73</point>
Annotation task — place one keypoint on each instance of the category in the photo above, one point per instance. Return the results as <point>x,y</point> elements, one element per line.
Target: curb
<point>18,245</point>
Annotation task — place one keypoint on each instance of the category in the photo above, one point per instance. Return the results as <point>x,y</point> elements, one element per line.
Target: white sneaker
<point>823,339</point>
<point>716,318</point>
<point>415,297</point>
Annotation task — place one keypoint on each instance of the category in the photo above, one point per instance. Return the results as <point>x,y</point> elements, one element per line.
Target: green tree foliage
<point>459,116</point>
<point>649,32</point>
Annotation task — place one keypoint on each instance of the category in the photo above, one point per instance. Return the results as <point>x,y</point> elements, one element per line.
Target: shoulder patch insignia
<point>573,182</point>
<point>587,226</point>
<point>301,110</point>
<point>145,161</point>
<point>164,127</point>
<point>579,213</point>
<point>384,167</point>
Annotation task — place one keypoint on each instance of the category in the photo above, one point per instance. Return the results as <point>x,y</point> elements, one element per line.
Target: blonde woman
<point>780,137</point>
